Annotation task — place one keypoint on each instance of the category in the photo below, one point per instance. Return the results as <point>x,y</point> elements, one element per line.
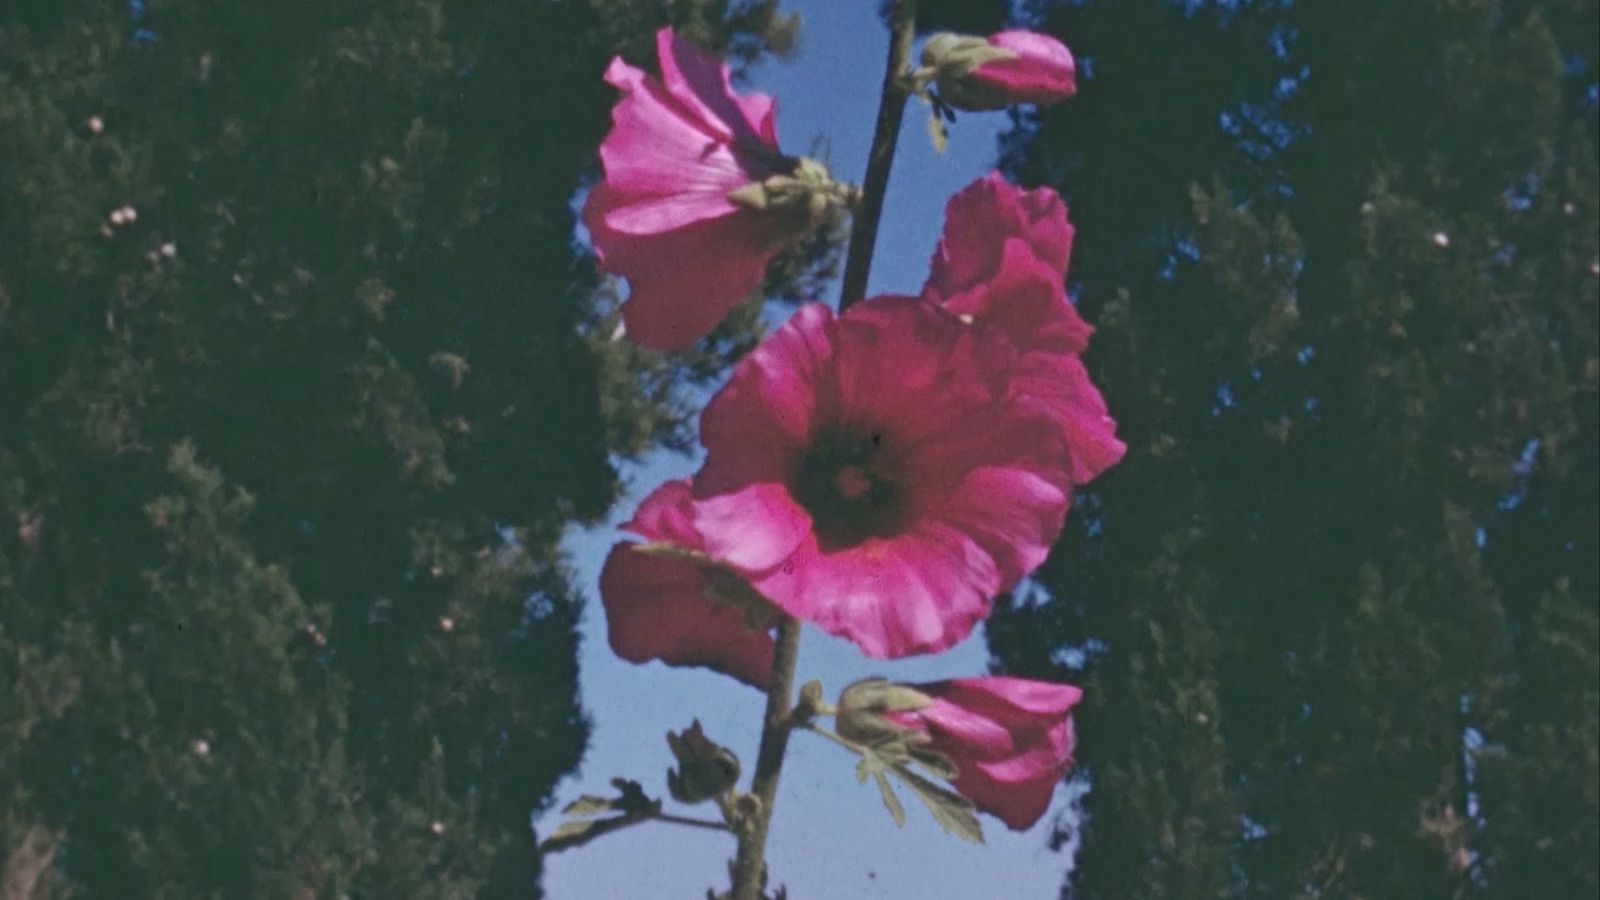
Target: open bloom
<point>873,473</point>
<point>1003,69</point>
<point>1010,739</point>
<point>676,609</point>
<point>696,197</point>
<point>1000,262</point>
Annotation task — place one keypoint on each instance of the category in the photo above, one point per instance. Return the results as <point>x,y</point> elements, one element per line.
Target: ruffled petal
<point>680,283</point>
<point>700,81</point>
<point>660,608</point>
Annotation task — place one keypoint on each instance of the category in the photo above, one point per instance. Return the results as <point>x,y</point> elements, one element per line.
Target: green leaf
<point>577,832</point>
<point>936,764</point>
<point>890,800</point>
<point>871,764</point>
<point>953,812</point>
<point>589,805</point>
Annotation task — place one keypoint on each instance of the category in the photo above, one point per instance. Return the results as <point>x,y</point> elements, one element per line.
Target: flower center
<point>848,485</point>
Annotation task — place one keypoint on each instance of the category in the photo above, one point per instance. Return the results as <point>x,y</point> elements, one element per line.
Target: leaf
<point>871,764</point>
<point>938,133</point>
<point>953,812</point>
<point>577,832</point>
<point>589,805</point>
<point>890,800</point>
<point>936,764</point>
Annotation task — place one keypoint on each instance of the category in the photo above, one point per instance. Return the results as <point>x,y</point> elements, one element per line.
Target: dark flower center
<point>848,485</point>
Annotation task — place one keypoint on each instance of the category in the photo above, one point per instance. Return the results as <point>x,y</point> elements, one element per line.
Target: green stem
<point>749,865</point>
<point>891,106</point>
<point>690,821</point>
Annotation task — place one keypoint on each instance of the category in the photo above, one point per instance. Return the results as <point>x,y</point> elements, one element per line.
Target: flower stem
<point>896,88</point>
<point>673,819</point>
<point>750,864</point>
<point>749,867</point>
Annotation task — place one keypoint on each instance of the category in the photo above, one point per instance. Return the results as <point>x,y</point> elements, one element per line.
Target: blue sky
<point>831,838</point>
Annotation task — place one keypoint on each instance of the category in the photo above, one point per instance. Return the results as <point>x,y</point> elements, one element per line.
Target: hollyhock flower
<point>696,197</point>
<point>1010,739</point>
<point>1003,69</point>
<point>873,473</point>
<point>677,609</point>
<point>1000,262</point>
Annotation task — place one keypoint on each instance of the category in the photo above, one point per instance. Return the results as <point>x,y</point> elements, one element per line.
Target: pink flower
<point>669,608</point>
<point>1001,70</point>
<point>979,221</point>
<point>1000,262</point>
<point>1011,740</point>
<point>663,217</point>
<point>872,473</point>
<point>1042,71</point>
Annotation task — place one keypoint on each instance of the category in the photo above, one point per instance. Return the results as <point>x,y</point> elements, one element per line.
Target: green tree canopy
<point>302,375</point>
<point>1337,611</point>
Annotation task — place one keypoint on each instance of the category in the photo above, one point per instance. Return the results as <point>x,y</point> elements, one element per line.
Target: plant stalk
<point>750,863</point>
<point>891,106</point>
<point>749,866</point>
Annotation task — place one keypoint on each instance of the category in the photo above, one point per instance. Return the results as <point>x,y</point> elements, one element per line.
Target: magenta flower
<point>979,221</point>
<point>1010,739</point>
<point>675,609</point>
<point>1001,70</point>
<point>1000,262</point>
<point>1042,71</point>
<point>665,216</point>
<point>873,473</point>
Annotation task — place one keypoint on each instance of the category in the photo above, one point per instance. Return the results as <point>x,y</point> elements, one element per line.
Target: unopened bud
<point>169,249</point>
<point>1006,68</point>
<point>806,193</point>
<point>447,624</point>
<point>863,707</point>
<point>705,769</point>
<point>95,124</point>
<point>436,827</point>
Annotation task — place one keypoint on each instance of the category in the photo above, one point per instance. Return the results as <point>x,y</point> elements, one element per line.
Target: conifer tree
<point>1337,610</point>
<point>301,378</point>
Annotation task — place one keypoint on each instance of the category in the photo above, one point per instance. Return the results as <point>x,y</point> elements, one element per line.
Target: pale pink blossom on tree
<point>696,197</point>
<point>673,608</point>
<point>873,473</point>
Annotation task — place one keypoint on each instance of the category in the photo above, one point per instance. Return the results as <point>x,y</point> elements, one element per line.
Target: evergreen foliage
<point>302,374</point>
<point>1337,611</point>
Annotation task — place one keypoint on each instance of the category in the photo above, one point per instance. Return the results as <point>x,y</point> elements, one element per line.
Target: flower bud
<point>863,704</point>
<point>1007,68</point>
<point>805,194</point>
<point>705,769</point>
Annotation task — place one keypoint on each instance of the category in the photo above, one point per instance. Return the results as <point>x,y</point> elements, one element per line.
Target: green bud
<point>953,57</point>
<point>705,769</point>
<point>862,705</point>
<point>805,193</point>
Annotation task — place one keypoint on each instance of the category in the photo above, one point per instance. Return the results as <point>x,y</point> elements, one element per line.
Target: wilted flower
<point>674,608</point>
<point>1004,69</point>
<point>1011,740</point>
<point>874,474</point>
<point>696,197</point>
